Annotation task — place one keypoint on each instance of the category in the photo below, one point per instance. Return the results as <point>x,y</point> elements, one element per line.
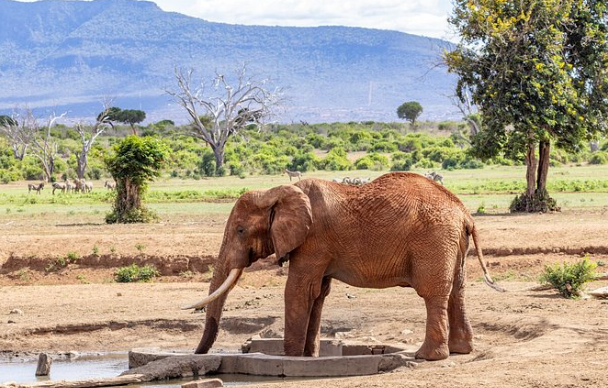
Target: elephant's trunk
<point>221,280</point>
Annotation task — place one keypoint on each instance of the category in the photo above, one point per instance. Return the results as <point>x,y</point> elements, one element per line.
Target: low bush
<point>599,158</point>
<point>569,279</point>
<point>135,273</point>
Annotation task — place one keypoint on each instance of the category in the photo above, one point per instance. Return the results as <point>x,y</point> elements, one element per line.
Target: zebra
<point>68,186</point>
<point>434,177</point>
<point>293,174</point>
<point>58,186</point>
<point>88,187</point>
<point>109,185</point>
<point>37,188</point>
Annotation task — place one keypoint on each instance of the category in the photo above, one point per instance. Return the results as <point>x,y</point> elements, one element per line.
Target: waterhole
<point>22,370</point>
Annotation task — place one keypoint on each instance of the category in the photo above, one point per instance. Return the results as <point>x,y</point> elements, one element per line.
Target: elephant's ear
<point>290,217</point>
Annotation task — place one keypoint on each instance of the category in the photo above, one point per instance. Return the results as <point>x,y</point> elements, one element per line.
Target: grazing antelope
<point>109,185</point>
<point>58,186</point>
<point>434,177</point>
<point>37,188</point>
<point>293,174</point>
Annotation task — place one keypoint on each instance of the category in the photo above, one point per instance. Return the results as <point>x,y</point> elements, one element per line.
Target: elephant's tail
<point>486,275</point>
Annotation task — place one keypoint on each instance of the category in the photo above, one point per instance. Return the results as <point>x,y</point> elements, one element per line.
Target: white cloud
<point>420,17</point>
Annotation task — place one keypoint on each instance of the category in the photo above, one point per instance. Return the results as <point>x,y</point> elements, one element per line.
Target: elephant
<point>399,230</point>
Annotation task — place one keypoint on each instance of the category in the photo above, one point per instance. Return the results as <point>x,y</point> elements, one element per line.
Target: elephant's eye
<point>240,230</point>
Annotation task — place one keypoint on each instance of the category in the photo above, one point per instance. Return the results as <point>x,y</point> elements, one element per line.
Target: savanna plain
<point>58,260</point>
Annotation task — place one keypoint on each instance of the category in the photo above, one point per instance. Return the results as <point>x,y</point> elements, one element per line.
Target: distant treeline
<point>303,147</point>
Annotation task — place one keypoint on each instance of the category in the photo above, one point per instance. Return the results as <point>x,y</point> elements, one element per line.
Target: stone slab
<point>274,346</point>
<point>358,360</point>
<point>207,383</point>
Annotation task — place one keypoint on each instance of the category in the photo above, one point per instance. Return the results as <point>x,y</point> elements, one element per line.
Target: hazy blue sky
<point>421,17</point>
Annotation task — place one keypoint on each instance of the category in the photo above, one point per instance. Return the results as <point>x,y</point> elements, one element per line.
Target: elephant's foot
<point>433,352</point>
<point>461,346</point>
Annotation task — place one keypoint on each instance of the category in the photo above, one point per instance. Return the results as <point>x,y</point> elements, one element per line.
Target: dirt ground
<point>523,338</point>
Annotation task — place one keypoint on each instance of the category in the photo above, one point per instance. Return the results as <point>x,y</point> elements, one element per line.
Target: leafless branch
<point>221,107</point>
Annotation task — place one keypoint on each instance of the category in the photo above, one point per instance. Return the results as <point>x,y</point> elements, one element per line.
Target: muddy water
<point>20,370</point>
<point>86,367</point>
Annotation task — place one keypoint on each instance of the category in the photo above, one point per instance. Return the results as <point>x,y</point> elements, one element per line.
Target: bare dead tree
<point>88,135</point>
<point>43,145</point>
<point>16,129</point>
<point>229,107</point>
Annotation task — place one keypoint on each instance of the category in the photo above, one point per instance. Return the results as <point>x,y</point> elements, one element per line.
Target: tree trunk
<point>127,197</point>
<point>218,151</point>
<point>19,151</point>
<point>531,164</point>
<point>82,160</point>
<point>536,198</point>
<point>544,150</point>
<point>47,172</point>
<point>134,130</point>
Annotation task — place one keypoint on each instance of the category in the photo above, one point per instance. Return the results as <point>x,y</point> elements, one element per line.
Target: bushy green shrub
<point>135,273</point>
<point>384,146</point>
<point>372,162</point>
<point>304,162</point>
<point>569,279</point>
<point>425,163</point>
<point>336,160</point>
<point>599,158</point>
<point>206,166</point>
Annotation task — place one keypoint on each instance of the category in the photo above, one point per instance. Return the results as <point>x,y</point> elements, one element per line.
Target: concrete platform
<point>263,357</point>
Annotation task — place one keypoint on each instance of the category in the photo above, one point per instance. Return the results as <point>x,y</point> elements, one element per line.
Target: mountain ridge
<point>72,54</point>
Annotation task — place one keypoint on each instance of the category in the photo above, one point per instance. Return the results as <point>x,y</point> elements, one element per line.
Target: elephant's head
<point>261,223</point>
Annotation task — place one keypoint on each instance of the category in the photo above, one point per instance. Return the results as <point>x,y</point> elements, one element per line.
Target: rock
<point>269,333</point>
<point>44,365</point>
<point>72,355</point>
<point>207,383</point>
<point>599,293</point>
<point>11,321</point>
<point>177,367</point>
<point>16,312</point>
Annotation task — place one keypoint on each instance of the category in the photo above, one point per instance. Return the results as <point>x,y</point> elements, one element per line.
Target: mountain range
<point>70,55</point>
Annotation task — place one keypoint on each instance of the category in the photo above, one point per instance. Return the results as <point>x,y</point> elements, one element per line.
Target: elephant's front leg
<point>301,291</point>
<point>313,336</point>
<point>435,345</point>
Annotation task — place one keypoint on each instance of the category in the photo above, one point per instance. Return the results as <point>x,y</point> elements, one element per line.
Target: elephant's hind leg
<point>435,345</point>
<point>313,336</point>
<point>461,334</point>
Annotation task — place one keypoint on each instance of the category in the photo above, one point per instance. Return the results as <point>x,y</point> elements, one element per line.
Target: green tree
<point>409,111</point>
<point>136,161</point>
<point>132,117</point>
<point>537,70</point>
<point>126,116</point>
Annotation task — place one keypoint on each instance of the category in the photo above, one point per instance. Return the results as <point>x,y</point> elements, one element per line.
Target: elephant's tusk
<point>230,282</point>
